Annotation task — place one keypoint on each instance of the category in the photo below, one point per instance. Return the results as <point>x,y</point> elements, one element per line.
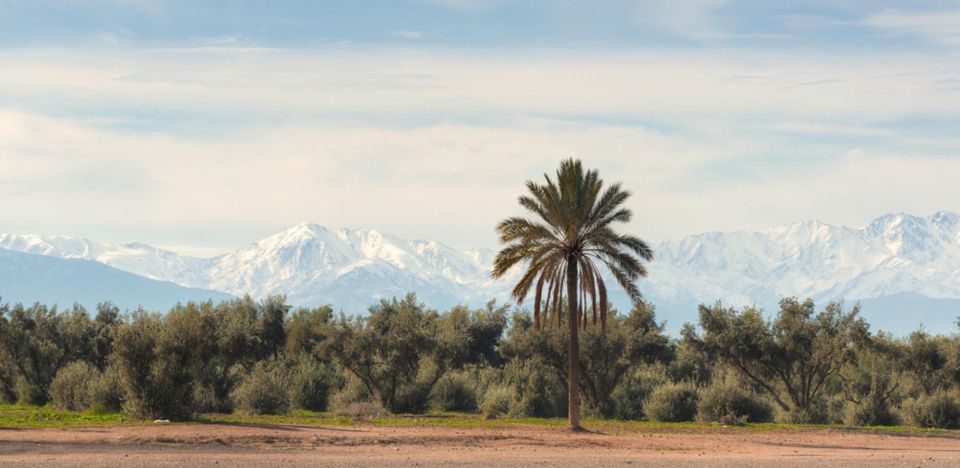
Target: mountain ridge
<point>29,278</point>
<point>892,255</point>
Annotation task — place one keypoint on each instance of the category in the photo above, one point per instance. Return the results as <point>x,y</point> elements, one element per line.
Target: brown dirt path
<point>273,445</point>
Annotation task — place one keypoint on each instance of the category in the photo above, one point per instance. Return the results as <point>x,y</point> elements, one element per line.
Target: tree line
<point>800,364</point>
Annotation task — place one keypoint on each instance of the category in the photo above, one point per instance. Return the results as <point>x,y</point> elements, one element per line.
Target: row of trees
<point>801,365</point>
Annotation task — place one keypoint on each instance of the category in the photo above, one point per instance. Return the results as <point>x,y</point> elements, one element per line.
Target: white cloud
<point>411,182</point>
<point>942,27</point>
<point>436,143</point>
<point>690,18</point>
<point>400,83</point>
<point>405,34</point>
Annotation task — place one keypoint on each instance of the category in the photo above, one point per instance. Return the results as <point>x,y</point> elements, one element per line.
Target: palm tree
<point>570,240</point>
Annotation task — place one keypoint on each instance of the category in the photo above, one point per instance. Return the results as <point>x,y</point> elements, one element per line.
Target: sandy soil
<point>253,445</point>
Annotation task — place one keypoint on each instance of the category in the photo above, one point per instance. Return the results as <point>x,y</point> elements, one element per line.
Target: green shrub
<point>309,383</point>
<point>937,410</point>
<point>871,410</point>
<point>205,401</point>
<point>8,392</point>
<point>80,386</point>
<point>353,391</point>
<point>497,401</point>
<point>354,401</point>
<point>867,413</point>
<point>453,393</point>
<point>144,391</point>
<point>106,395</point>
<point>836,409</point>
<point>29,393</point>
<point>672,402</point>
<point>816,413</point>
<point>72,386</point>
<point>411,399</point>
<point>628,397</point>
<point>159,360</point>
<point>537,393</point>
<point>216,383</point>
<point>262,392</point>
<point>727,400</point>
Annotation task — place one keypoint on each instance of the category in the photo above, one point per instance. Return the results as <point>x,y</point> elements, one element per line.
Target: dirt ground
<point>272,445</point>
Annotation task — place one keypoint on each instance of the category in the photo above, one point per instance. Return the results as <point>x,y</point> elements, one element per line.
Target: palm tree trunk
<point>573,350</point>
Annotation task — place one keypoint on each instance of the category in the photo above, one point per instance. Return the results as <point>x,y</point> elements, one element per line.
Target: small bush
<point>79,386</point>
<point>817,413</point>
<point>310,383</point>
<point>70,389</point>
<point>497,401</point>
<point>629,396</point>
<point>537,394</point>
<point>29,393</point>
<point>672,403</point>
<point>870,411</point>
<point>868,414</point>
<point>106,396</point>
<point>453,393</point>
<point>7,386</point>
<point>411,399</point>
<point>355,402</point>
<point>937,410</point>
<point>215,386</point>
<point>727,400</point>
<point>261,392</point>
<point>836,409</point>
<point>352,392</point>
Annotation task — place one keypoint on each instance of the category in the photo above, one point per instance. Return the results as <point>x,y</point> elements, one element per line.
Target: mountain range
<point>28,278</point>
<point>903,269</point>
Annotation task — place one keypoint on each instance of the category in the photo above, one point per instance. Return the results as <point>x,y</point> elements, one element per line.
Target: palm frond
<point>574,214</point>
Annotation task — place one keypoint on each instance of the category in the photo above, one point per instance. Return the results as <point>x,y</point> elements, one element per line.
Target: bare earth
<point>253,445</point>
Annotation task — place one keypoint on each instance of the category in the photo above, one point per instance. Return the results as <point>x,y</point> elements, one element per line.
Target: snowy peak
<point>947,226</point>
<point>140,259</point>
<point>312,264</point>
<point>57,246</point>
<point>309,262</point>
<point>893,254</point>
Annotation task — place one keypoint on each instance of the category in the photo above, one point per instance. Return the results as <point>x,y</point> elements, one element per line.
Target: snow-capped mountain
<point>899,257</point>
<point>137,258</point>
<point>29,278</point>
<point>893,254</point>
<point>314,265</point>
<point>310,264</point>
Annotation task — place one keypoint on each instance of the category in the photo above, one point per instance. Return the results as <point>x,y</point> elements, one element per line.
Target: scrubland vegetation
<point>801,365</point>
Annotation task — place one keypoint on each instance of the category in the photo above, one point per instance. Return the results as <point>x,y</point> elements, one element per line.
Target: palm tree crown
<point>574,226</point>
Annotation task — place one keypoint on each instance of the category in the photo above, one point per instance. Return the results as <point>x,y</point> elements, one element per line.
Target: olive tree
<point>401,350</point>
<point>605,358</point>
<point>790,357</point>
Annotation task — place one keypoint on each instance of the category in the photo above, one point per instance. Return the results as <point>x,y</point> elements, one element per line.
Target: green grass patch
<point>20,416</point>
<point>14,416</point>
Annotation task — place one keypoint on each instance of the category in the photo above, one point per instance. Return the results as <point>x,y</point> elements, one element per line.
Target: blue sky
<point>201,126</point>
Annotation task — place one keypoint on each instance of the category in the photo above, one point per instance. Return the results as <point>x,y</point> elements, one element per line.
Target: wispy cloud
<point>385,83</point>
<point>399,130</point>
<point>402,137</point>
<point>942,27</point>
<point>466,5</point>
<point>692,18</point>
<point>401,33</point>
